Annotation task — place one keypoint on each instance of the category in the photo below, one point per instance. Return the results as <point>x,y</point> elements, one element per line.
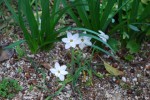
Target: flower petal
<point>63,67</point>
<point>53,70</point>
<point>73,44</point>
<point>57,74</point>
<point>63,72</point>
<point>65,40</point>
<point>62,77</point>
<point>88,43</point>
<point>104,39</point>
<point>57,66</point>
<point>69,35</point>
<point>84,32</point>
<point>67,46</point>
<point>76,36</point>
<point>101,32</point>
<point>82,45</point>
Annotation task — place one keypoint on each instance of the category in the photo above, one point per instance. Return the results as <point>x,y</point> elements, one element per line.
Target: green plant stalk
<point>72,61</point>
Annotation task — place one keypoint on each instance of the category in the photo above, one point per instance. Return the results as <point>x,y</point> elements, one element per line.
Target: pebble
<point>12,74</point>
<point>8,65</point>
<point>132,70</point>
<point>48,78</point>
<point>134,79</point>
<point>138,75</point>
<point>114,79</point>
<point>124,79</point>
<point>31,56</point>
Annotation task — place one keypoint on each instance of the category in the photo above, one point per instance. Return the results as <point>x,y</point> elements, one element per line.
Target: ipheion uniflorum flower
<point>103,36</point>
<point>84,41</point>
<point>74,40</point>
<point>71,40</point>
<point>59,71</point>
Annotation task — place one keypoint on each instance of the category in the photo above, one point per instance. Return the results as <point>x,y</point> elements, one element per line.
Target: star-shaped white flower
<point>103,36</point>
<point>84,41</point>
<point>71,40</point>
<point>59,71</point>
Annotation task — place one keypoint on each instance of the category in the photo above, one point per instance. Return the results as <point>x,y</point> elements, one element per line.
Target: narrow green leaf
<point>45,20</point>
<point>71,13</point>
<point>107,11</point>
<point>12,11</point>
<point>134,28</point>
<point>27,10</point>
<point>14,44</point>
<point>134,11</point>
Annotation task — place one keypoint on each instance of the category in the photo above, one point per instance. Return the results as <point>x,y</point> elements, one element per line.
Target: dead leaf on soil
<point>46,65</point>
<point>112,70</point>
<point>5,54</point>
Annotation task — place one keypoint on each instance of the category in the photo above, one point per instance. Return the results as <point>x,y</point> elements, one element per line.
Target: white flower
<point>59,71</point>
<point>84,41</point>
<point>71,40</point>
<point>103,36</point>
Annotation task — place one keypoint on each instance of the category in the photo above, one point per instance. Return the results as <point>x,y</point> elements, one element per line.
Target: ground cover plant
<point>74,49</point>
<point>135,29</point>
<point>8,88</point>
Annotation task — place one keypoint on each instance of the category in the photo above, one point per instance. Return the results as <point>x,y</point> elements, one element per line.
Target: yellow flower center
<point>58,71</point>
<point>82,40</point>
<point>71,40</point>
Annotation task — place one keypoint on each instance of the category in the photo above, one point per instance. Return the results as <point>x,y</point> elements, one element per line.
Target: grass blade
<point>15,17</point>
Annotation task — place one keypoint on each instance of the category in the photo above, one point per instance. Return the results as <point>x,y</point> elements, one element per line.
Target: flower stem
<point>72,60</point>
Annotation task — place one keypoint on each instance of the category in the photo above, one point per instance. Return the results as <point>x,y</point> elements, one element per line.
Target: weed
<point>9,87</point>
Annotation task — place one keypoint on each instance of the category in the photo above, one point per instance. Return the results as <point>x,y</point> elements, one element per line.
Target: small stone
<point>114,79</point>
<point>11,62</point>
<point>48,78</point>
<point>124,79</point>
<point>136,97</point>
<point>115,65</point>
<point>138,75</point>
<point>117,81</point>
<point>8,65</point>
<point>84,55</point>
<point>147,67</point>
<point>129,91</point>
<point>34,82</point>
<point>27,75</point>
<point>146,74</point>
<point>39,75</point>
<point>134,79</point>
<point>12,74</point>
<point>132,70</point>
<point>31,56</point>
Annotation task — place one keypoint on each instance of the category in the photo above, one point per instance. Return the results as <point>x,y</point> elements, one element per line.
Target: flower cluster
<point>73,40</point>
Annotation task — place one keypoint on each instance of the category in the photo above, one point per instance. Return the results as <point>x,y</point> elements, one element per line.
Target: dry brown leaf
<point>6,54</point>
<point>46,65</point>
